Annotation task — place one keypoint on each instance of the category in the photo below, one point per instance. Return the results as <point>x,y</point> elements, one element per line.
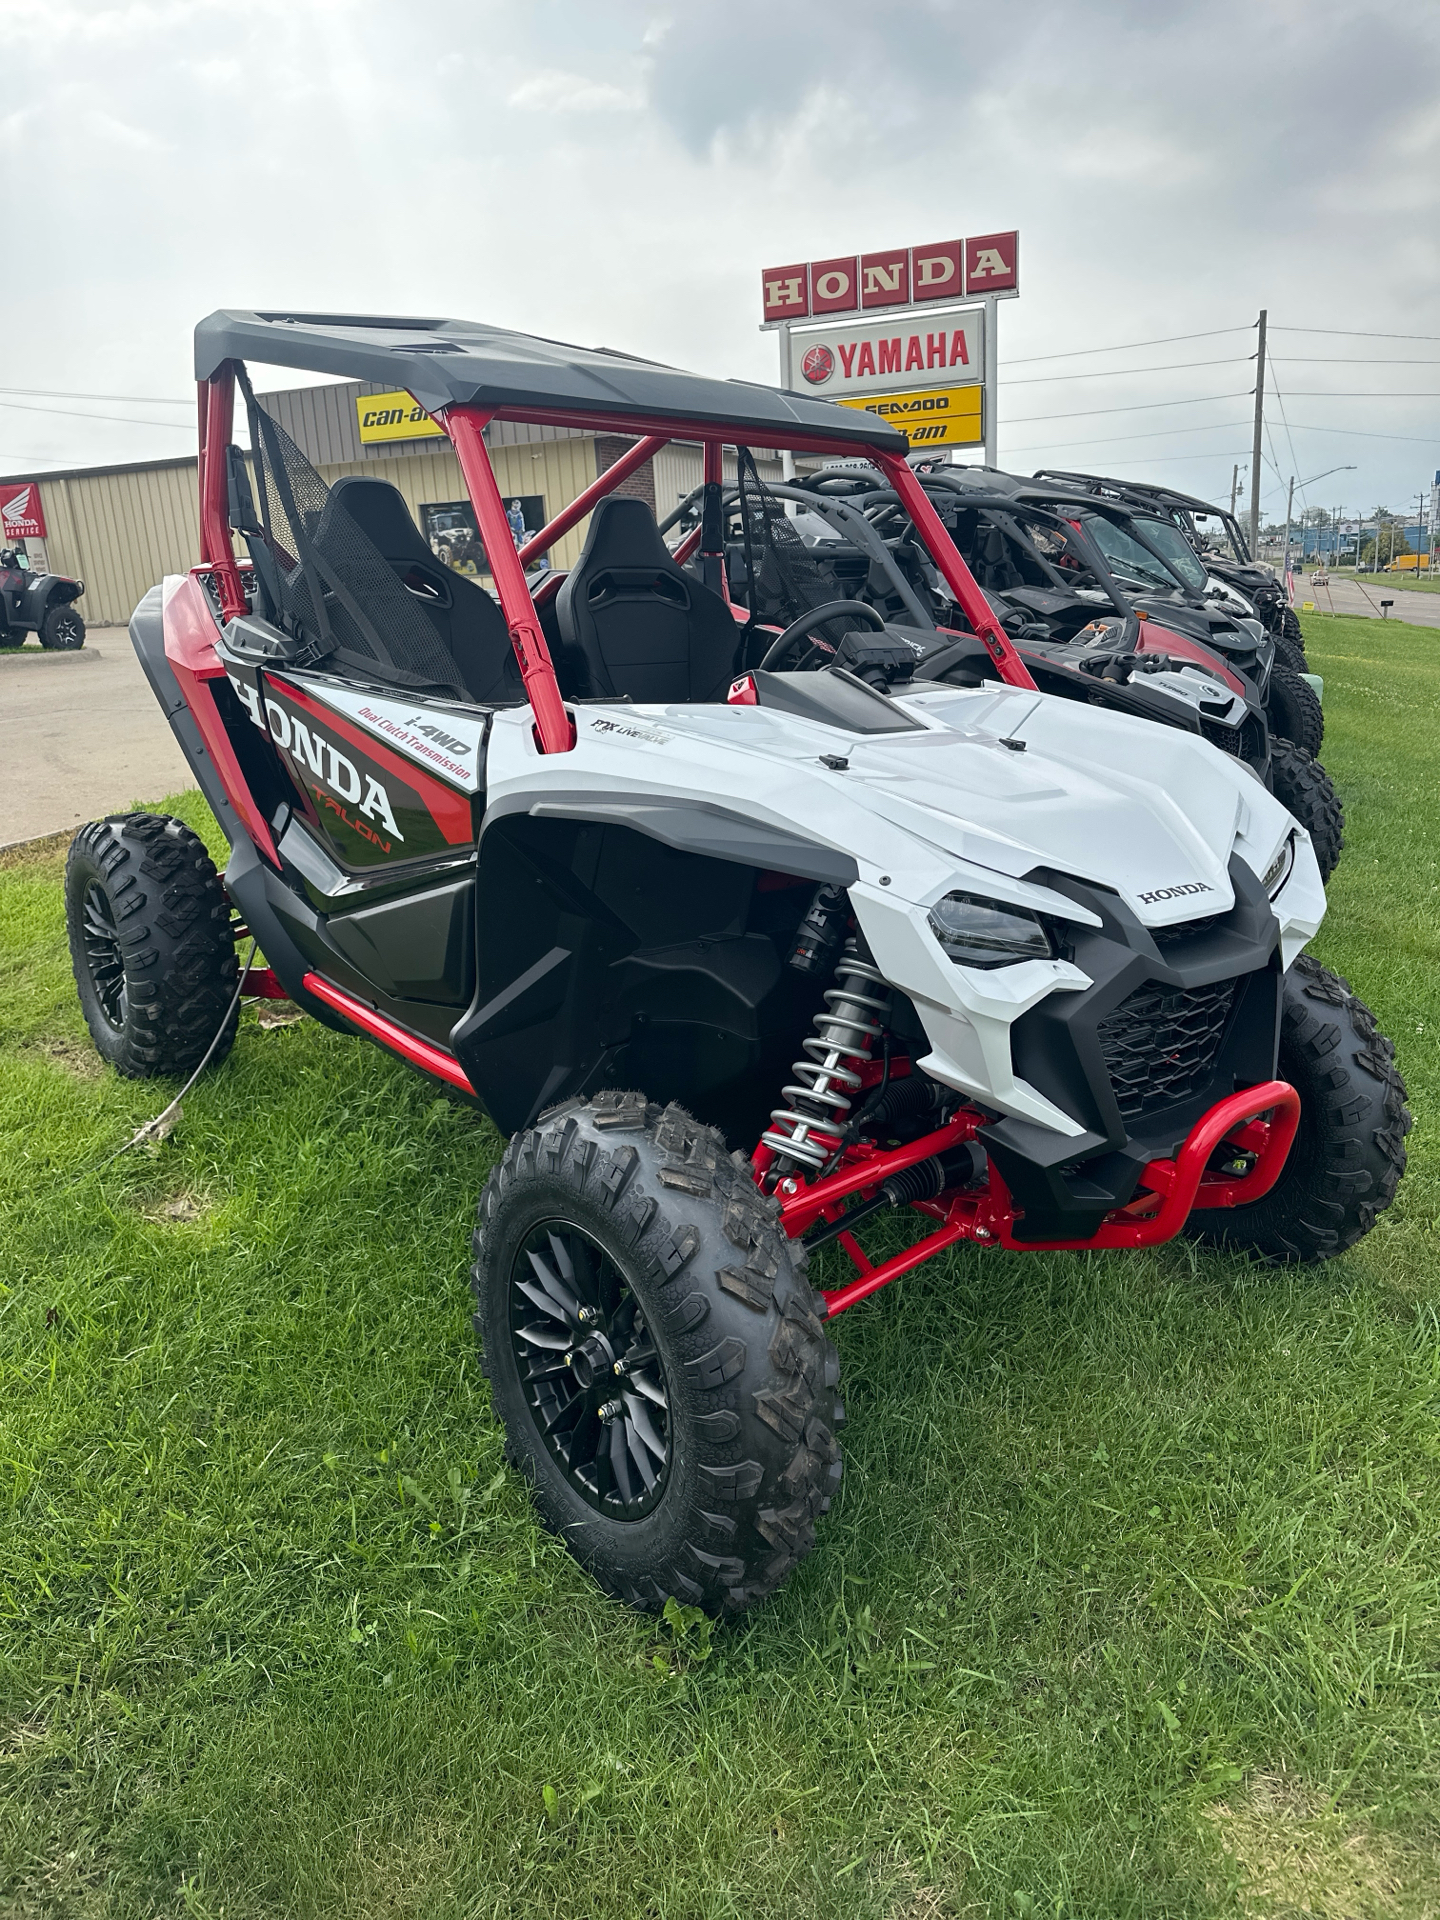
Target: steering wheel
<point>817,616</point>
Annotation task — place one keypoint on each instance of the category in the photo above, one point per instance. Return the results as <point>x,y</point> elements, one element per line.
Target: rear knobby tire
<point>1304,788</point>
<point>62,629</point>
<point>1349,1153</point>
<point>150,942</point>
<point>1290,628</point>
<point>1293,709</point>
<point>747,1369</point>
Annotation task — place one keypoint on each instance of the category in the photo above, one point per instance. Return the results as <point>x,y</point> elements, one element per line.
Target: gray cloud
<point>622,173</point>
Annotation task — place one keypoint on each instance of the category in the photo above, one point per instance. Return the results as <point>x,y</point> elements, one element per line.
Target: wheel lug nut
<point>587,1316</point>
<point>612,1410</point>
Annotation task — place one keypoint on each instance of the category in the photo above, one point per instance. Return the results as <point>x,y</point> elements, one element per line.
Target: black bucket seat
<point>644,626</point>
<point>467,622</point>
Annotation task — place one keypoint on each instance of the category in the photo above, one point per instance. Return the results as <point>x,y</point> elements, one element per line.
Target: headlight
<point>1278,871</point>
<point>982,933</point>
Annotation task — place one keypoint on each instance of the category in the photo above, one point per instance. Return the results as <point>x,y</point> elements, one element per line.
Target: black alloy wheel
<point>595,1384</point>
<point>62,629</point>
<point>100,941</point>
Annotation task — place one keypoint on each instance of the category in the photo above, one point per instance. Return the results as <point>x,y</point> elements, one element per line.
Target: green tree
<point>1387,544</point>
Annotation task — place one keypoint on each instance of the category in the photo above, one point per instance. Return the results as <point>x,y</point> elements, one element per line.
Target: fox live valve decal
<point>393,416</point>
<point>933,417</point>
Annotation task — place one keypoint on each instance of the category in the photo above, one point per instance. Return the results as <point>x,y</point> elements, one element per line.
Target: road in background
<point>81,735</point>
<point>1350,597</point>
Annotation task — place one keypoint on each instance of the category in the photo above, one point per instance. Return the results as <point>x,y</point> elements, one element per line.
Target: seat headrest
<point>380,512</point>
<point>623,533</point>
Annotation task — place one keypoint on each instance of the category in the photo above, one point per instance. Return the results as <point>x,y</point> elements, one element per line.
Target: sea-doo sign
<point>898,277</point>
<point>21,515</point>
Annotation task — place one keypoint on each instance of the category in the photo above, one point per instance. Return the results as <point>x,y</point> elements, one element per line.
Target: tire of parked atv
<point>1349,1153</point>
<point>150,942</point>
<point>1304,788</point>
<point>655,1354</point>
<point>62,628</point>
<point>1290,653</point>
<point>1294,711</point>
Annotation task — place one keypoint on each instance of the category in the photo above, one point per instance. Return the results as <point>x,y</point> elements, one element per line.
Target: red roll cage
<point>1259,1120</point>
<point>465,428</point>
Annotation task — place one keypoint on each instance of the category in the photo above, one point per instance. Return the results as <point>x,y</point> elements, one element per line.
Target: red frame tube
<point>554,729</point>
<point>606,483</point>
<point>217,426</point>
<point>420,1053</point>
<point>958,576</point>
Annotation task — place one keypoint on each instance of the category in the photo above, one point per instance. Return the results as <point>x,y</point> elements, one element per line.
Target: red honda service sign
<point>899,277</point>
<point>21,516</point>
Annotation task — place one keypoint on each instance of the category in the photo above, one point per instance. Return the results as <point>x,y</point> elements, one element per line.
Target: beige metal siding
<point>121,532</point>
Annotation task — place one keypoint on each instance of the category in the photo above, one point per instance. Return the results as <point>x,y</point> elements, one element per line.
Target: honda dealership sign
<point>907,333</point>
<point>21,516</point>
<point>900,277</point>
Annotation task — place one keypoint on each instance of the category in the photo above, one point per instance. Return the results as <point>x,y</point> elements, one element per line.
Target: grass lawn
<point>1130,1604</point>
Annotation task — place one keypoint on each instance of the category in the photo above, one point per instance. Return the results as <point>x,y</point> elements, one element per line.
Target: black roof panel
<point>465,363</point>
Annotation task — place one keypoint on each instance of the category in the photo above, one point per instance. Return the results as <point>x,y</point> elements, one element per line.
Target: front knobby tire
<point>613,1231</point>
<point>1290,652</point>
<point>62,629</point>
<point>1349,1153</point>
<point>1293,710</point>
<point>150,943</point>
<point>1305,789</point>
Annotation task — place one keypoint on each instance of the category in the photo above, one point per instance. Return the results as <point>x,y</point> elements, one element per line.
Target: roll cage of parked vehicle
<point>738,957</point>
<point>1093,613</point>
<point>1217,539</point>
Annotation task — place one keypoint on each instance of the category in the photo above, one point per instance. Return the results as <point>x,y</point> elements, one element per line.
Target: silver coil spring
<point>827,1077</point>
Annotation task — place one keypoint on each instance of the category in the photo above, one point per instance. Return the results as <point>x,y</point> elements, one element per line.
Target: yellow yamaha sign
<point>393,416</point>
<point>932,417</point>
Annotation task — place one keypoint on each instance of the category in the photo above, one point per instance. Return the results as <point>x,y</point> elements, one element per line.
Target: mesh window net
<point>336,589</point>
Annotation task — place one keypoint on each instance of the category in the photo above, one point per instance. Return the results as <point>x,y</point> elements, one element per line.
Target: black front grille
<point>1160,1043</point>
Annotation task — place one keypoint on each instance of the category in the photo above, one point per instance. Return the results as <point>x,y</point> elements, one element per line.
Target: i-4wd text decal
<point>448,744</point>
<point>359,793</point>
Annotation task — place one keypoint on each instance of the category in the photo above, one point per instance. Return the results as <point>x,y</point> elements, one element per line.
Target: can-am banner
<point>21,515</point>
<point>896,356</point>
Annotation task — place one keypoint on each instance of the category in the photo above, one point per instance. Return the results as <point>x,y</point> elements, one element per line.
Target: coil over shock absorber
<point>806,1132</point>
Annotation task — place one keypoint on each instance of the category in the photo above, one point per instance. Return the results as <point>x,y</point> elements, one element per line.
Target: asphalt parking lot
<point>82,736</point>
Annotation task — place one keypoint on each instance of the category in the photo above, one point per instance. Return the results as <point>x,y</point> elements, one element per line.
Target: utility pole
<point>1285,550</point>
<point>1234,486</point>
<point>1255,450</point>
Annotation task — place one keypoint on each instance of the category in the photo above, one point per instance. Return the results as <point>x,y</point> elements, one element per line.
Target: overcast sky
<point>618,174</point>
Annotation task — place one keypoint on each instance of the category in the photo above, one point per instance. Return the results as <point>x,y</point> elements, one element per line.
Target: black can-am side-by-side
<point>741,956</point>
<point>38,603</point>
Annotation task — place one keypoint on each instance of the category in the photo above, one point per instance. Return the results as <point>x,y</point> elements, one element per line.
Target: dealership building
<point>122,528</point>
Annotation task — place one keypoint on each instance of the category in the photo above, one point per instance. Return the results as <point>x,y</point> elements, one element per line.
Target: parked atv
<point>1216,538</point>
<point>1050,586</point>
<point>740,960</point>
<point>42,603</point>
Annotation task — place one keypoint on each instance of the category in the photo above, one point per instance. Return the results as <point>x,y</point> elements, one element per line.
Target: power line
<point>1357,333</point>
<point>129,399</point>
<point>1363,433</point>
<point>1324,393</point>
<point>1118,373</point>
<point>1329,360</point>
<point>123,420</point>
<point>1165,433</point>
<point>1149,406</point>
<point>1130,346</point>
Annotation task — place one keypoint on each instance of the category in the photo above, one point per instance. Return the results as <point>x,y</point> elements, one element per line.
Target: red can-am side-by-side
<point>740,955</point>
